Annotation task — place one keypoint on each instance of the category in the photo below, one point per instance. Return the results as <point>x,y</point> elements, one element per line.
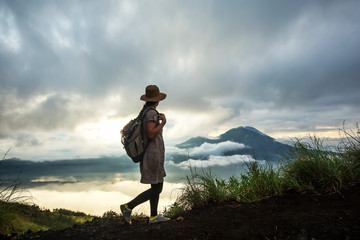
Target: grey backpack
<point>134,137</point>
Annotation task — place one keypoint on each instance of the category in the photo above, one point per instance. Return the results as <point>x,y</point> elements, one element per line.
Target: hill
<point>292,215</point>
<point>19,218</point>
<point>256,144</point>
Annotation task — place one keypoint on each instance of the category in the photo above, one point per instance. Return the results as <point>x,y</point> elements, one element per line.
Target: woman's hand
<point>152,130</point>
<point>162,118</point>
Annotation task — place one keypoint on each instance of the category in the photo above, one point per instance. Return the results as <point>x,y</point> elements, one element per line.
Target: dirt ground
<point>292,215</point>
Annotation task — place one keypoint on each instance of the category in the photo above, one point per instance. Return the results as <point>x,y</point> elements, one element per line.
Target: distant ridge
<point>74,170</point>
<point>258,144</point>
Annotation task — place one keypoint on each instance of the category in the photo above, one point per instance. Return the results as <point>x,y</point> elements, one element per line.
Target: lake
<point>95,186</point>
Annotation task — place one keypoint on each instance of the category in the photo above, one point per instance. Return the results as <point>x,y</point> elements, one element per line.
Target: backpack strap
<point>145,138</point>
<point>146,111</point>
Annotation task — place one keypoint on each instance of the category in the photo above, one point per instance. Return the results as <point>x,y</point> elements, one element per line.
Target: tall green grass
<point>258,181</point>
<point>315,166</point>
<point>309,165</point>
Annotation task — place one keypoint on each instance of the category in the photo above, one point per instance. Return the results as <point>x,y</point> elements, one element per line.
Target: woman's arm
<point>152,130</point>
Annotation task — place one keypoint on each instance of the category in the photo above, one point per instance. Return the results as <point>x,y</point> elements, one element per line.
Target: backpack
<point>134,137</point>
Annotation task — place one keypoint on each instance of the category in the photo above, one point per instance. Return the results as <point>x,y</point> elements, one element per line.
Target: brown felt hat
<point>153,94</point>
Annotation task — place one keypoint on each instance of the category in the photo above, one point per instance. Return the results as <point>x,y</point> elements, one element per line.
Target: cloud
<point>119,48</point>
<point>27,140</point>
<point>49,179</point>
<point>272,65</point>
<point>215,161</point>
<point>216,149</point>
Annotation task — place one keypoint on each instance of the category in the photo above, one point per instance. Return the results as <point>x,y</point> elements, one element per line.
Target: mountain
<point>257,144</point>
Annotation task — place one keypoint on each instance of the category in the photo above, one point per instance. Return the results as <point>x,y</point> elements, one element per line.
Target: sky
<point>72,72</point>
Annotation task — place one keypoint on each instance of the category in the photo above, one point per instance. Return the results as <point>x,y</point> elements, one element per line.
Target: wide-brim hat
<point>153,94</point>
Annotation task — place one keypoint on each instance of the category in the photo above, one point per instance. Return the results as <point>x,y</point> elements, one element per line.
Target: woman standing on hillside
<point>152,166</point>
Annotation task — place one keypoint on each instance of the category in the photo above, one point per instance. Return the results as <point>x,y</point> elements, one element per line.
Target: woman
<point>152,166</point>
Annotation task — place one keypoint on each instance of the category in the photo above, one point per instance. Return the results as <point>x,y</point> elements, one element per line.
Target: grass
<point>309,165</point>
<point>316,167</point>
<point>19,218</point>
<point>259,181</point>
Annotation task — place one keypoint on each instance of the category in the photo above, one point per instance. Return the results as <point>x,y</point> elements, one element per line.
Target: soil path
<point>291,215</point>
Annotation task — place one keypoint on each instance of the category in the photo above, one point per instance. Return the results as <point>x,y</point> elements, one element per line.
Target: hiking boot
<point>126,211</point>
<point>158,219</point>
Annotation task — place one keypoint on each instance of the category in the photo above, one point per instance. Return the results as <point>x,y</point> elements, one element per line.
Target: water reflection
<point>98,197</point>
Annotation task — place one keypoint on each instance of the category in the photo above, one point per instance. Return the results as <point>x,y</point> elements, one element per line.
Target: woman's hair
<point>146,105</point>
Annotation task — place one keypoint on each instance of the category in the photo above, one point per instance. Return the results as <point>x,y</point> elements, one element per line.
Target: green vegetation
<point>134,216</point>
<point>19,218</point>
<point>315,167</point>
<point>309,165</point>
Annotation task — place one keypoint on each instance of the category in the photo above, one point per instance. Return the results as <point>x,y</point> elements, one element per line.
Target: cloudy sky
<point>72,72</point>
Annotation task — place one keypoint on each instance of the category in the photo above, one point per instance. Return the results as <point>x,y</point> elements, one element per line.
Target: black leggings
<point>151,194</point>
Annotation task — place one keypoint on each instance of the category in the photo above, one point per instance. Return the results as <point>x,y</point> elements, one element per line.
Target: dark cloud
<point>298,60</point>
<point>27,140</point>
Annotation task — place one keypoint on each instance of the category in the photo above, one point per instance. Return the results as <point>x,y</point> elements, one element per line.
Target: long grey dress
<point>152,166</point>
